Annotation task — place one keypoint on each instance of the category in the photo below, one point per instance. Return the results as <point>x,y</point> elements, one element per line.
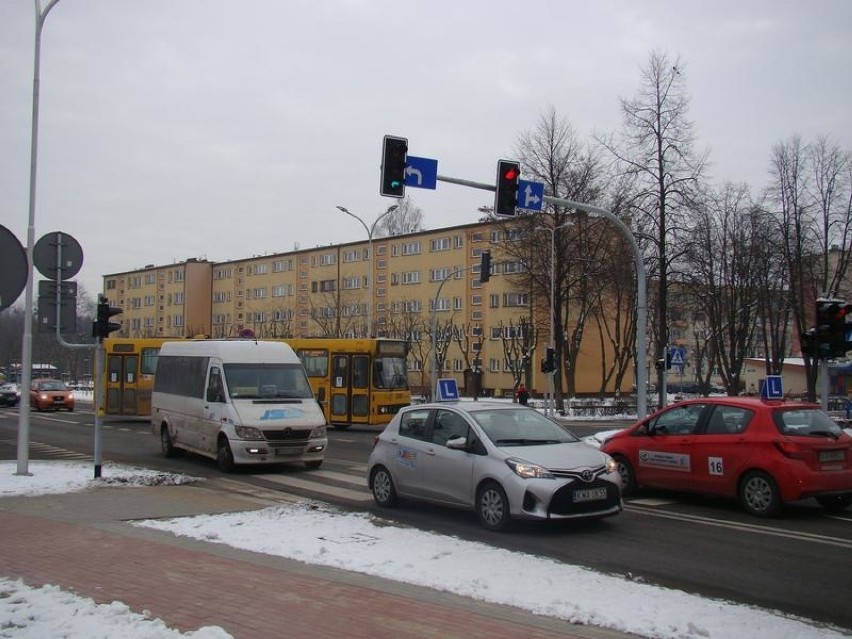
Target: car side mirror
<point>457,443</point>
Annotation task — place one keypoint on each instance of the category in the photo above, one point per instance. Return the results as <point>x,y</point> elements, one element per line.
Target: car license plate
<point>287,452</point>
<point>589,494</point>
<point>830,456</point>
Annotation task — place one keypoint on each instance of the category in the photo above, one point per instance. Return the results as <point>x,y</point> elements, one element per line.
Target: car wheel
<point>759,494</point>
<point>166,445</point>
<point>381,485</point>
<point>627,474</point>
<point>313,464</point>
<point>492,506</point>
<point>835,503</point>
<point>224,456</point>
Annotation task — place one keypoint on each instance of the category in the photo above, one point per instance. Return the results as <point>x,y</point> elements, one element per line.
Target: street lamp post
<point>370,230</point>
<point>552,230</point>
<point>27,344</point>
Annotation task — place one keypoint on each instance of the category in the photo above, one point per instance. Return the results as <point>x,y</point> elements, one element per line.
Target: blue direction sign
<point>530,195</point>
<point>421,173</point>
<point>771,388</point>
<point>448,390</point>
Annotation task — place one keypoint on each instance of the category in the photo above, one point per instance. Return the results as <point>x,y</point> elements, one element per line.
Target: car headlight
<point>527,470</point>
<point>248,432</point>
<point>611,464</point>
<point>318,431</point>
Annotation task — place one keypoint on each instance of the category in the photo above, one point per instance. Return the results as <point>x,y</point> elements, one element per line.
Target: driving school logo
<point>668,461</point>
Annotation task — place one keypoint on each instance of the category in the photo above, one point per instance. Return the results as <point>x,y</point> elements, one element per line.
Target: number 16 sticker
<point>715,466</point>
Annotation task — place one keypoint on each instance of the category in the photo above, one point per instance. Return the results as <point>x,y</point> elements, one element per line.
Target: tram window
<point>148,361</point>
<point>360,372</point>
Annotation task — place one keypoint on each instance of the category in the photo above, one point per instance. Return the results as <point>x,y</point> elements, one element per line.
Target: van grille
<point>288,435</point>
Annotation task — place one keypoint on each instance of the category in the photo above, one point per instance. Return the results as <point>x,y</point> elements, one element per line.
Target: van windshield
<point>267,381</point>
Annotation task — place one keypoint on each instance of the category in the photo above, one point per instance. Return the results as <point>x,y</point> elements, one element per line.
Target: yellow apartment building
<point>326,291</point>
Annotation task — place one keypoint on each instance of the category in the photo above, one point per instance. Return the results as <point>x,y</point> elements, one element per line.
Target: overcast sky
<point>221,129</point>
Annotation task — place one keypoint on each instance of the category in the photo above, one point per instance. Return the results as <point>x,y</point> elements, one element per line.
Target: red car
<point>764,453</point>
<point>51,394</point>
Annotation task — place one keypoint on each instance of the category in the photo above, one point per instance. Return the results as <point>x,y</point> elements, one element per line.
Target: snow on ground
<point>319,534</point>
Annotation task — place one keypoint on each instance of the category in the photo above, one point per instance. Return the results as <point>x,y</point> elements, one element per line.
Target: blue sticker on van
<point>282,413</point>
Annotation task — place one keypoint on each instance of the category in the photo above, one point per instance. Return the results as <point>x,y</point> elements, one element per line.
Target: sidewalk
<point>84,542</point>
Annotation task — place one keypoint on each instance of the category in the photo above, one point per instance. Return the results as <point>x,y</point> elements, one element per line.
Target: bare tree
<point>570,169</point>
<point>411,326</point>
<point>810,193</point>
<point>656,149</point>
<point>406,218</point>
<point>519,344</point>
<point>726,256</point>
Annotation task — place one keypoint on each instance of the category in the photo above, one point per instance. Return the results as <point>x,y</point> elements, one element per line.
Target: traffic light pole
<point>641,295</point>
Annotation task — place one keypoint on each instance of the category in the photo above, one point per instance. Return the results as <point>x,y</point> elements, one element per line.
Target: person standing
<point>523,395</point>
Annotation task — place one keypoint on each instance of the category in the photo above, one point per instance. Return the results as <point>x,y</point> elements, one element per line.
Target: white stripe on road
<point>295,482</point>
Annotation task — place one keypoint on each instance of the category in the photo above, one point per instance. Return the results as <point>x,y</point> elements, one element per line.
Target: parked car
<point>10,395</point>
<point>502,460</point>
<point>51,394</point>
<point>764,453</point>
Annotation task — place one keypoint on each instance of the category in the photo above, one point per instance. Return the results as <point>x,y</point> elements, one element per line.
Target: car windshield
<point>520,427</point>
<point>806,422</point>
<point>52,386</point>
<point>267,381</point>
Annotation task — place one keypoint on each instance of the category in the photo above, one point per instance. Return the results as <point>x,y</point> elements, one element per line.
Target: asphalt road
<point>799,563</point>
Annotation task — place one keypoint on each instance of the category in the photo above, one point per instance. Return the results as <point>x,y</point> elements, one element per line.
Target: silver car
<point>503,460</point>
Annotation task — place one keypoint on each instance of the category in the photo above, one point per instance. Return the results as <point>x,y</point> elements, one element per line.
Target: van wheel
<point>224,456</point>
<point>166,442</point>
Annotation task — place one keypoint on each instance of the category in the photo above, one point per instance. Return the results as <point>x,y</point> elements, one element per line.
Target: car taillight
<point>791,450</point>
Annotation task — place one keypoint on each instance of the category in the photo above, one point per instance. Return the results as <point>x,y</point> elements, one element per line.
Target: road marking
<point>752,528</point>
<point>651,502</point>
<point>56,419</point>
<point>316,487</point>
<point>342,477</point>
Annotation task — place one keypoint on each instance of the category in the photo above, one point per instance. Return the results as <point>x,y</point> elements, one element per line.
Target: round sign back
<point>46,256</point>
<point>13,268</point>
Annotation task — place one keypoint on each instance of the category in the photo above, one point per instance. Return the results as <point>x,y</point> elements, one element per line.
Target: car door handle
<point>430,451</point>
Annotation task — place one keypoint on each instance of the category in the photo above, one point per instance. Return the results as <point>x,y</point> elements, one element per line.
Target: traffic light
<point>548,364</point>
<point>506,192</point>
<point>831,328</point>
<point>485,267</point>
<point>394,152</point>
<point>102,327</point>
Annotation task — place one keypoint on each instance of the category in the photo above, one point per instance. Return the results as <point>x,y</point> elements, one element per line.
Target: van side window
<point>215,388</point>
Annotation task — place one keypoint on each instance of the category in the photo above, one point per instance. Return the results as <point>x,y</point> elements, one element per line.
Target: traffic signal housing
<point>548,364</point>
<point>506,191</point>
<point>394,155</point>
<point>102,327</point>
<point>830,333</point>
<point>485,267</point>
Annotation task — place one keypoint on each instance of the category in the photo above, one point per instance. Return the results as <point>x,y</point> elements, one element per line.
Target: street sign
<point>13,268</point>
<point>448,390</point>
<point>530,195</point>
<point>677,356</point>
<point>46,255</point>
<point>47,306</point>
<point>421,173</point>
<point>771,388</point>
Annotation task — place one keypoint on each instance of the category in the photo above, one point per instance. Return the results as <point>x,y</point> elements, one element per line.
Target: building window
<point>411,248</point>
<point>411,277</point>
<point>441,244</point>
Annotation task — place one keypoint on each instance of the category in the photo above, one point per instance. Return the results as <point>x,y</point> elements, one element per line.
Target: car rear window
<point>805,421</point>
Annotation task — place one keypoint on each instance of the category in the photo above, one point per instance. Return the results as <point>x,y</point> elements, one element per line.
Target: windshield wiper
<point>525,442</point>
<point>824,433</point>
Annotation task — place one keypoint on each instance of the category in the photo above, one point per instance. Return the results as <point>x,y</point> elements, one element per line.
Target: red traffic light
<point>512,173</point>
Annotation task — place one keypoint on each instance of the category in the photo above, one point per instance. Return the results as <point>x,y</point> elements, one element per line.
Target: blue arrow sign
<point>448,390</point>
<point>530,195</point>
<point>421,173</point>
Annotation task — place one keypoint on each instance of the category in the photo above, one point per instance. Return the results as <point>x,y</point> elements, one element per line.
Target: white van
<point>238,402</point>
